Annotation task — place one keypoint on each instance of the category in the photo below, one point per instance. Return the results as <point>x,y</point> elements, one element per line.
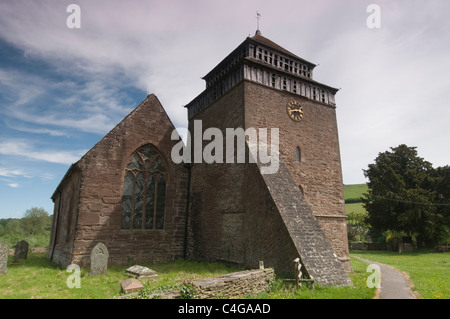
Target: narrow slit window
<point>298,154</point>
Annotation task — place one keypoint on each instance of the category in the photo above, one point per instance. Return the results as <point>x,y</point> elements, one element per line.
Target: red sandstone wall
<point>65,219</point>
<point>232,216</point>
<point>216,205</point>
<point>102,176</point>
<point>319,172</point>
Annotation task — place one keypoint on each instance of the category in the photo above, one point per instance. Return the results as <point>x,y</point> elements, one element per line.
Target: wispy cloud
<point>19,88</point>
<point>40,130</point>
<point>26,150</point>
<point>88,106</point>
<point>7,172</point>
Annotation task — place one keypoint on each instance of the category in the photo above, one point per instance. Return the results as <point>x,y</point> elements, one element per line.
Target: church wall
<point>217,203</point>
<point>318,173</point>
<point>100,205</point>
<point>232,215</point>
<point>65,219</point>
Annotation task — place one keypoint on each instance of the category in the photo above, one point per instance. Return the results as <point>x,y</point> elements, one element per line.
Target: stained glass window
<point>144,191</point>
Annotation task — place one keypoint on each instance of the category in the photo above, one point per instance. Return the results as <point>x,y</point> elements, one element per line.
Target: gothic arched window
<point>144,191</point>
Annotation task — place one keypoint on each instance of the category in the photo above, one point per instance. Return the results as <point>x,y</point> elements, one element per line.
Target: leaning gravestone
<point>21,250</point>
<point>99,259</point>
<point>131,285</point>
<point>141,272</point>
<point>3,258</point>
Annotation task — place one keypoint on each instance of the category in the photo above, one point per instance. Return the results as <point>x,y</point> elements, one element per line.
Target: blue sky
<point>62,90</point>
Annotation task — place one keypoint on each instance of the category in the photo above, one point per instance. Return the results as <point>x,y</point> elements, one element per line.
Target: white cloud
<point>26,150</point>
<point>13,185</point>
<point>393,79</point>
<point>6,172</point>
<point>41,130</point>
<point>91,106</point>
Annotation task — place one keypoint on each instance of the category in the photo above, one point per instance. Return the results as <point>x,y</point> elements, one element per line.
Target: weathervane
<point>258,16</point>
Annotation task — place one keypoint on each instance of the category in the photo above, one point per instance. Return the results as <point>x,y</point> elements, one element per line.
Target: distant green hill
<point>352,193</point>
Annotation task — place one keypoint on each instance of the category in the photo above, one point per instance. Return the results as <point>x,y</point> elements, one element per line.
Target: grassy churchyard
<point>38,278</point>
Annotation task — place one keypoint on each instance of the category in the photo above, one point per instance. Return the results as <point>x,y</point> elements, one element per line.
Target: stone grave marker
<point>3,258</point>
<point>141,272</point>
<point>99,259</point>
<point>131,284</point>
<point>21,251</point>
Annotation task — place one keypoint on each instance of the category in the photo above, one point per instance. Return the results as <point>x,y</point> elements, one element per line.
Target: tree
<point>441,177</point>
<point>357,225</point>
<point>402,195</point>
<point>35,221</point>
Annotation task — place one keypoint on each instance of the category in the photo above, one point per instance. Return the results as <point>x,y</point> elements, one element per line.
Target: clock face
<point>294,110</point>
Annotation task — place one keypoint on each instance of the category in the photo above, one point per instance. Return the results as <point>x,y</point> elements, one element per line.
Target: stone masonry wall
<point>319,173</point>
<point>216,195</point>
<point>65,219</point>
<point>234,285</point>
<point>233,214</point>
<point>102,177</point>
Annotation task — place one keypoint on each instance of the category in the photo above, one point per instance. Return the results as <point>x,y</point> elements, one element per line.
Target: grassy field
<point>37,278</point>
<point>428,271</point>
<point>354,191</point>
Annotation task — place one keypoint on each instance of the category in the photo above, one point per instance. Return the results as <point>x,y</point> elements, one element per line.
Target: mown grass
<point>428,271</point>
<point>359,290</point>
<point>38,278</point>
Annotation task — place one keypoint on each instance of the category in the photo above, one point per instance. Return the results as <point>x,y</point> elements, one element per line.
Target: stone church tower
<point>238,214</point>
<point>128,193</point>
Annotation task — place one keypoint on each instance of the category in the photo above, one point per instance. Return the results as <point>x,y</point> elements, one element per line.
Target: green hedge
<point>353,200</point>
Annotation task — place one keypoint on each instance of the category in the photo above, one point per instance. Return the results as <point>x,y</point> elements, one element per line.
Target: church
<point>130,194</point>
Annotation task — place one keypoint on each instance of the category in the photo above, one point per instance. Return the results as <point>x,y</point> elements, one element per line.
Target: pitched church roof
<point>258,37</point>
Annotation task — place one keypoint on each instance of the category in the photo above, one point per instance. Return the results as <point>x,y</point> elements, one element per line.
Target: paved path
<point>394,284</point>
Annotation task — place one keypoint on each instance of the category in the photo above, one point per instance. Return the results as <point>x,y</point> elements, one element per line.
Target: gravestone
<point>21,250</point>
<point>141,272</point>
<point>131,285</point>
<point>3,258</point>
<point>99,259</point>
